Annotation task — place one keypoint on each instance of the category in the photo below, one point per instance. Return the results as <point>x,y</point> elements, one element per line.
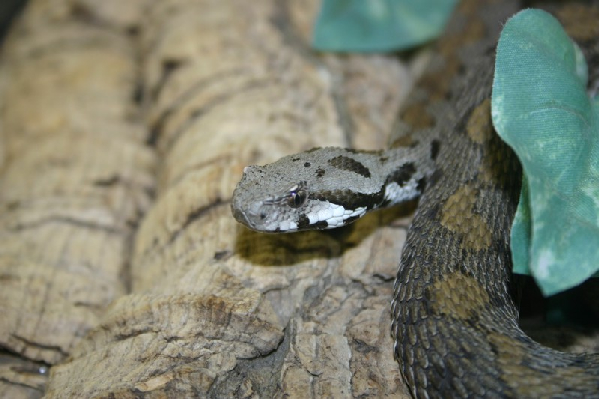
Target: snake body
<point>454,320</point>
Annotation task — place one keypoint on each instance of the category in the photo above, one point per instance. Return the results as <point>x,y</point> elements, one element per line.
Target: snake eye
<point>297,196</point>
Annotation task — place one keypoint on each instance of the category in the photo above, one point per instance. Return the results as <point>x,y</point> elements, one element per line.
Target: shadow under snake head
<point>325,188</point>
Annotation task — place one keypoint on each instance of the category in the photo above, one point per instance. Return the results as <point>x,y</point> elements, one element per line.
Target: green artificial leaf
<point>541,109</point>
<point>379,25</point>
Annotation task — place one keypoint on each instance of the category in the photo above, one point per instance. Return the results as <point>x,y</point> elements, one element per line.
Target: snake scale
<point>454,320</point>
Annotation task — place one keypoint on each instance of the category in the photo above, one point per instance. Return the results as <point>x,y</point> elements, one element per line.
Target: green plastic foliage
<point>378,25</point>
<point>541,109</point>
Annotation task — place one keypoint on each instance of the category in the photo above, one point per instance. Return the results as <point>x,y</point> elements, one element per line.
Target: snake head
<point>277,209</point>
<point>298,192</point>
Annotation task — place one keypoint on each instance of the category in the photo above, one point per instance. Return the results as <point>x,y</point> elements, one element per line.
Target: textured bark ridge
<point>75,177</point>
<point>124,129</point>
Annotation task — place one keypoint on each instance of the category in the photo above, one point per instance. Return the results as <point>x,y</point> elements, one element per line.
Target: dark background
<point>8,9</point>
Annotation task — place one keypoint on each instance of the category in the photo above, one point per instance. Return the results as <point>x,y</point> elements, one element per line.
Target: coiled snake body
<point>454,321</point>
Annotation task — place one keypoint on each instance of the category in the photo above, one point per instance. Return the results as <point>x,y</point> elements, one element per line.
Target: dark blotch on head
<point>402,174</point>
<point>306,164</point>
<point>349,164</point>
<point>320,225</point>
<point>435,149</point>
<point>295,159</point>
<point>303,222</point>
<point>320,172</point>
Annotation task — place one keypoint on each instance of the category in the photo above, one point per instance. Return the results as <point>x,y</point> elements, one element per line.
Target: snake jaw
<point>259,216</point>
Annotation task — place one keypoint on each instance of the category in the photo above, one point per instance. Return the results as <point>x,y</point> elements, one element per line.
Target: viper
<point>455,322</point>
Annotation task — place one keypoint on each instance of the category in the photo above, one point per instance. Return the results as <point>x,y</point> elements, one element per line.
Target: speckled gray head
<point>321,189</point>
<point>269,206</point>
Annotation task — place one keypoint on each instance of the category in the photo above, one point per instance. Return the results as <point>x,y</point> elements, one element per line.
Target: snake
<point>454,318</point>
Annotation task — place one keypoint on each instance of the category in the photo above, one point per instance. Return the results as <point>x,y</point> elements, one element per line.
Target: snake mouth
<point>251,215</point>
<point>254,218</point>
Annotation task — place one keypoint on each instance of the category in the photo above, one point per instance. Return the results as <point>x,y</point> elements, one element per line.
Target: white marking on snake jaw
<point>397,194</point>
<point>334,215</point>
<point>325,214</point>
<point>313,217</point>
<point>347,214</point>
<point>356,212</point>
<point>288,225</point>
<point>338,211</point>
